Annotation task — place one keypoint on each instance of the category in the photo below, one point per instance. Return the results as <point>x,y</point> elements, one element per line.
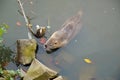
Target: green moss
<point>3,29</point>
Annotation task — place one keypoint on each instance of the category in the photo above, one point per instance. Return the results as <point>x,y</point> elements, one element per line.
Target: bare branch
<point>26,18</point>
<point>23,12</point>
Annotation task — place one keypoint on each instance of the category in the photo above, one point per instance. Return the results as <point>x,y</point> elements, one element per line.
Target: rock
<point>38,71</point>
<point>26,51</point>
<point>2,78</point>
<point>59,78</point>
<point>48,60</point>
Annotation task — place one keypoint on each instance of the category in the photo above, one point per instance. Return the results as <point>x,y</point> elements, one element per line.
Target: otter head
<point>56,41</point>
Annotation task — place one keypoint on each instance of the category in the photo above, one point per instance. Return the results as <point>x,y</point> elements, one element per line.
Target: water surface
<point>99,39</point>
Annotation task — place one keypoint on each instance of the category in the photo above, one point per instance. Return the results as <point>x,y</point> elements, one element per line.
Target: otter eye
<point>56,42</point>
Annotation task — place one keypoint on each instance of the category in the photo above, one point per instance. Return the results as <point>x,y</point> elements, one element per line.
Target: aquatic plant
<point>3,29</point>
<point>6,55</point>
<point>9,74</point>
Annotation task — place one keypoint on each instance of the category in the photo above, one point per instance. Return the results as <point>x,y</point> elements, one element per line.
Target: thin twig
<point>25,17</point>
<point>23,12</point>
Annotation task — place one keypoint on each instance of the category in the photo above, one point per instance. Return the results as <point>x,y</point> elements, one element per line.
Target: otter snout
<point>45,46</point>
<point>48,50</point>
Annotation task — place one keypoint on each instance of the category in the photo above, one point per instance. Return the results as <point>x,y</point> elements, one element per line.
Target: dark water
<point>99,39</point>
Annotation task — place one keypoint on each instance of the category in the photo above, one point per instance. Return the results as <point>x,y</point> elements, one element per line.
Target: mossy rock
<point>38,71</point>
<point>26,49</point>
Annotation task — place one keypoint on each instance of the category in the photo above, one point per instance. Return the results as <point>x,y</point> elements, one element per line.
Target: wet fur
<point>68,31</point>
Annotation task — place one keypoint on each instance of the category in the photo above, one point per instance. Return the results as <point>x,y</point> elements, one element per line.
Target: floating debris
<point>37,26</point>
<point>40,31</point>
<point>48,27</point>
<point>87,60</point>
<point>42,40</point>
<point>18,23</point>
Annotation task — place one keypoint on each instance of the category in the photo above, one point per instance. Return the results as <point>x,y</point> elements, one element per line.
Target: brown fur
<point>61,37</point>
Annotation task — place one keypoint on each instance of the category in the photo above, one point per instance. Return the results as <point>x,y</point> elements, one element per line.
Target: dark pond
<point>98,41</point>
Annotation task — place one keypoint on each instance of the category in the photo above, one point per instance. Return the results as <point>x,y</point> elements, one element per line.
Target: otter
<point>64,35</point>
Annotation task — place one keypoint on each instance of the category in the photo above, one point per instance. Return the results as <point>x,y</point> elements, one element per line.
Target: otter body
<point>61,37</point>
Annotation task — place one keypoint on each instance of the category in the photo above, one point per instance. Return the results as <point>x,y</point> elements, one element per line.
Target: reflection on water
<point>99,39</point>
